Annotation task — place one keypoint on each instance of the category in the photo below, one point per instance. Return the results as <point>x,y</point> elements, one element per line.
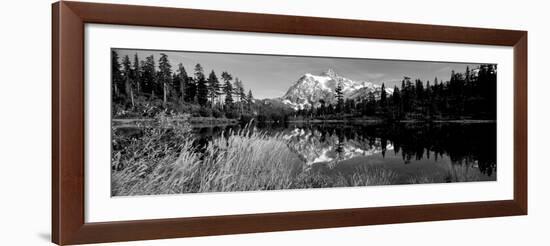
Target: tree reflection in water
<point>464,144</point>
<point>410,149</point>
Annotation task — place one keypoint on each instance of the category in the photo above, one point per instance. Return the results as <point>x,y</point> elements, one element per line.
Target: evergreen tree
<point>191,90</point>
<point>330,109</point>
<point>202,92</point>
<point>405,95</point>
<point>238,91</point>
<point>249,100</point>
<point>349,105</point>
<point>241,92</point>
<point>175,92</point>
<point>419,92</point>
<point>383,97</point>
<point>228,89</point>
<point>183,83</point>
<point>164,76</point>
<point>202,88</point>
<point>322,108</point>
<point>419,97</point>
<point>127,78</point>
<point>213,87</point>
<point>435,89</point>
<point>199,72</point>
<point>116,77</point>
<point>428,98</point>
<point>370,105</point>
<point>148,76</point>
<point>339,97</point>
<point>136,75</point>
<point>396,102</point>
<point>486,84</point>
<point>467,76</point>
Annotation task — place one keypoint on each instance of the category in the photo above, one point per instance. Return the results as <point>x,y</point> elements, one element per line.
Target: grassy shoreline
<point>165,161</point>
<point>463,121</point>
<point>227,121</point>
<point>194,121</point>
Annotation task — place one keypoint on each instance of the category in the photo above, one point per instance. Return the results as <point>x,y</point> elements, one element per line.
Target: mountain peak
<point>330,73</point>
<point>309,89</point>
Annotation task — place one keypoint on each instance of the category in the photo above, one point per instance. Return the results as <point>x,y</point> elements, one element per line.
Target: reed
<point>165,161</point>
<point>245,160</point>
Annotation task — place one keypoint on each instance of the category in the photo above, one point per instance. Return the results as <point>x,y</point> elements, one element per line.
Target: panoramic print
<point>191,122</point>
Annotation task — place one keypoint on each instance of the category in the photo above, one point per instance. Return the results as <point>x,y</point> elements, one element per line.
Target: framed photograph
<point>174,122</point>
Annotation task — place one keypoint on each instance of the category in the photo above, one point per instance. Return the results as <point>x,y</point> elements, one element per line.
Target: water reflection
<point>417,147</point>
<point>324,145</point>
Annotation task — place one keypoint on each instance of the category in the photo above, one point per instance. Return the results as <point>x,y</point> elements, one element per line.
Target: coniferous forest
<point>464,96</point>
<point>145,87</point>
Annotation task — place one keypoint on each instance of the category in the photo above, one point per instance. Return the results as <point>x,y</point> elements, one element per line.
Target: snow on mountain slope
<point>310,89</point>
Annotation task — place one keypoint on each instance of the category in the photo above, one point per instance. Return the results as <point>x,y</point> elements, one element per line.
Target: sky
<point>270,76</point>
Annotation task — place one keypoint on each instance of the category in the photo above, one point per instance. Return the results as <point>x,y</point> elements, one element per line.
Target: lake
<point>435,152</point>
<point>344,154</point>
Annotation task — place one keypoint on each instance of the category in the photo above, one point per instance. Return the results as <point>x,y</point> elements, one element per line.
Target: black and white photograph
<point>194,122</point>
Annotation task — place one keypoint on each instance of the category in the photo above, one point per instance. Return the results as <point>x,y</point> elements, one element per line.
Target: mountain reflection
<point>331,146</point>
<point>408,148</point>
<point>473,145</point>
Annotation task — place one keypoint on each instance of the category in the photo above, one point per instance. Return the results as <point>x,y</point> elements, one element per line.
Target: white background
<point>25,142</point>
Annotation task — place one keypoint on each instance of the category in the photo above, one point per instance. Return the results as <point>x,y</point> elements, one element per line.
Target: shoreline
<point>193,121</point>
<point>459,121</point>
<point>211,121</point>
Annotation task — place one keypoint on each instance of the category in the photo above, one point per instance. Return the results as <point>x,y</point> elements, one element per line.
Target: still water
<point>442,152</point>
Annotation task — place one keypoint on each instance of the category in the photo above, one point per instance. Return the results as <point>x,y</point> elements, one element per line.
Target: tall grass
<point>362,176</point>
<point>164,161</point>
<point>245,160</point>
<point>138,163</point>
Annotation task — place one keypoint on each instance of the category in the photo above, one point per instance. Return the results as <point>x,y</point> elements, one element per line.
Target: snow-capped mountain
<point>310,89</point>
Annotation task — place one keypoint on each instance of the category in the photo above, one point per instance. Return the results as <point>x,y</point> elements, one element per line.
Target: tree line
<point>144,88</point>
<point>141,88</point>
<point>467,95</point>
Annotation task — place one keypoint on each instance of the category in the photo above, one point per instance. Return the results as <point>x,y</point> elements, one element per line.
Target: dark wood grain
<point>520,122</point>
<point>68,122</point>
<point>55,123</point>
<point>68,19</point>
<point>219,225</point>
<point>252,22</point>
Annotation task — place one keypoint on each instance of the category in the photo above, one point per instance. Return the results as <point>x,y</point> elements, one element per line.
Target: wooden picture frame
<point>68,122</point>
